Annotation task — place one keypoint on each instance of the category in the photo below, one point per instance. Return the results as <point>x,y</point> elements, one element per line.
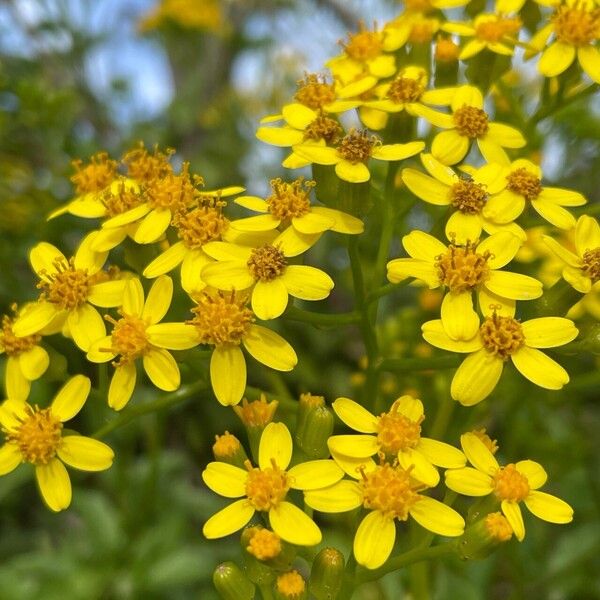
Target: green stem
<point>546,111</point>
<point>129,414</point>
<point>406,365</point>
<point>293,313</point>
<point>266,591</point>
<point>443,414</point>
<point>384,290</point>
<point>349,584</point>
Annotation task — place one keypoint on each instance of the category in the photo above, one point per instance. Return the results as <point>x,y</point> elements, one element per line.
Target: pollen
<point>67,287</point>
<point>175,192</point>
<point>13,345</point>
<point>501,336</point>
<point>489,443</point>
<point>291,585</point>
<point>128,338</point>
<point>357,146</point>
<point>264,544</point>
<point>498,527</point>
<point>446,50</point>
<point>226,446</point>
<point>510,484</point>
<point>121,199</point>
<point>524,183</point>
<point>266,263</point>
<point>221,319</point>
<point>577,25</point>
<point>495,31</point>
<point>289,200</point>
<point>468,197</point>
<point>266,488</point>
<point>406,89</point>
<point>389,489</point>
<point>324,128</point>
<point>96,175</point>
<point>314,91</point>
<point>144,167</point>
<point>396,432</point>
<point>591,264</point>
<point>258,413</point>
<point>38,436</point>
<point>363,45</point>
<point>200,225</point>
<point>462,268</point>
<point>471,121</point>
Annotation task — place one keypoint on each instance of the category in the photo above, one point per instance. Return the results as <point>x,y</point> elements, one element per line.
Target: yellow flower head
<point>35,435</point>
<point>263,544</point>
<point>264,488</point>
<point>144,167</point>
<point>413,28</point>
<point>94,177</point>
<point>511,485</point>
<point>291,585</point>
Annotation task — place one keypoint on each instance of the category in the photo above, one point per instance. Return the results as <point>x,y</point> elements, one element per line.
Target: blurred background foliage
<point>80,76</point>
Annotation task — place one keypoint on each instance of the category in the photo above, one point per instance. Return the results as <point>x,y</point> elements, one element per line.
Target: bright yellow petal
<point>425,187</point>
<point>589,59</point>
<point>578,279</point>
<point>107,239</point>
<point>16,384</point>
<point>352,172</point>
<point>107,294</point>
<point>354,415</point>
<point>553,213</point>
<point>492,151</point>
<point>292,242</point>
<point>85,453</point>
<point>354,467</point>
<point>270,348</point>
<point>43,257</point>
<point>449,147</point>
<point>225,479</point>
<point>374,540</point>
<point>409,406</point>
<point>478,454</point>
<point>322,155</point>
<point>257,223</point>
<point>153,225</point>
<point>490,303</point>
<point>565,255</point>
<point>228,275</point>
<point>128,217</point>
<point>10,458</point>
<point>502,247</point>
<point>514,286</point>
<point>476,377</point>
<point>280,136</point>
<point>166,261</point>
<point>54,484</point>
<point>314,475</point>
<point>540,368</point>
<point>469,95</point>
<point>297,115</point>
<point>71,397</point>
<point>549,508</point>
<point>437,517</point>
<point>441,454</point>
<point>275,444</point>
<point>269,298</point>
<point>548,332</point>
<point>85,326</point>
<point>228,374</point>
<point>435,334</point>
<point>441,172</point>
<point>562,196</point>
<point>535,473</point>
<point>37,316</point>
<point>587,234</point>
<point>293,525</point>
<point>397,151</point>
<point>132,299</point>
<point>121,386</point>
<point>172,336</point>
<point>159,299</point>
<point>162,369</point>
<point>463,228</point>
<point>556,59</point>
<point>420,467</point>
<point>505,135</point>
<point>342,222</point>
<point>401,268</point>
<point>341,497</point>
<point>191,271</point>
<point>229,520</point>
<point>460,321</point>
<point>512,512</point>
<point>306,283</point>
<point>422,246</point>
<point>504,207</point>
<point>469,482</point>
<point>354,446</point>
<point>86,257</point>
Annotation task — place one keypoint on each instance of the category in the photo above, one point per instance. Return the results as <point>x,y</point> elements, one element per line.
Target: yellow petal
<point>565,255</point>
<point>437,517</point>
<point>54,484</point>
<point>354,467</point>
<point>270,348</point>
<point>589,59</point>
<point>71,397</point>
<point>293,525</point>
<point>341,497</point>
<point>469,482</point>
<point>470,49</point>
<point>469,95</point>
<point>43,257</point>
<point>540,368</point>
<point>342,222</point>
<point>162,369</point>
<point>556,59</point>
<point>409,406</point>
<point>478,454</point>
<point>292,242</point>
<point>441,172</point>
<point>275,444</point>
<point>191,271</point>
<point>490,303</point>
<point>554,214</point>
<point>85,326</point>
<point>228,374</point>
<point>422,246</point>
<point>153,225</point>
<point>420,467</point>
<point>514,286</point>
<point>354,415</point>
<point>476,377</point>
<point>128,217</point>
<point>159,300</point>
<point>441,454</point>
<point>315,474</point>
<point>34,362</point>
<point>578,279</point>
<point>427,188</point>
<point>313,222</point>
<point>16,384</point>
<point>37,316</point>
<point>225,479</point>
<point>502,247</point>
<point>297,115</point>
<point>492,151</point>
<point>354,446</point>
<point>85,453</point>
<point>460,321</point>
<point>512,512</point>
<point>506,136</point>
<point>10,458</point>
<point>280,136</point>
<point>374,540</point>
<point>435,333</point>
<point>401,268</point>
<point>397,151</point>
<point>434,117</point>
<point>107,294</point>
<point>562,196</point>
<point>322,155</point>
<point>86,257</point>
<point>228,275</point>
<point>548,332</point>
<point>121,386</point>
<point>229,520</point>
<point>258,223</point>
<point>307,283</point>
<point>587,234</point>
<point>107,239</point>
<point>269,298</point>
<point>352,172</point>
<point>535,473</point>
<point>549,508</point>
<point>172,336</point>
<point>165,261</point>
<point>252,203</point>
<point>133,297</point>
<point>504,207</point>
<point>449,147</point>
<point>463,228</point>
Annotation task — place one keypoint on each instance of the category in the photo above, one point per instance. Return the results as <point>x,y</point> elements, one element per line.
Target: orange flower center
<point>221,319</point>
<point>396,432</point>
<point>266,263</point>
<point>509,484</point>
<point>200,225</point>
<point>266,488</point>
<point>498,527</point>
<point>174,192</point>
<point>258,413</point>
<point>225,446</point>
<point>494,31</point>
<point>471,121</point>
<point>389,490</point>
<point>357,146</point>
<point>422,31</point>
<point>289,200</point>
<point>144,167</point>
<point>406,89</point>
<point>363,45</point>
<point>121,200</point>
<point>525,183</point>
<point>462,268</point>
<point>13,345</point>
<point>468,197</point>
<point>314,92</point>
<point>501,336</point>
<point>591,264</point>
<point>446,50</point>
<point>38,436</point>
<point>264,544</point>
<point>324,128</point>
<point>291,585</point>
<point>68,287</point>
<point>95,176</point>
<point>128,338</point>
<point>576,25</point>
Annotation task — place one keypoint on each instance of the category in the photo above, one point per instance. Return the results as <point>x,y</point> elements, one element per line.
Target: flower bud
<point>314,426</point>
<point>327,574</point>
<point>484,536</point>
<point>231,583</point>
<point>264,551</point>
<point>227,448</point>
<point>255,416</point>
<point>290,586</point>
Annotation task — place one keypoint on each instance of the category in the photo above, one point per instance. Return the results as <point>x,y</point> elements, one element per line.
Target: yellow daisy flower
<point>511,485</point>
<point>469,122</point>
<point>35,436</point>
<point>429,6</point>
<point>389,493</point>
<point>353,153</point>
<point>582,268</point>
<point>495,32</point>
<point>129,341</point>
<point>264,489</point>
<point>397,434</point>
<point>69,289</point>
<point>469,196</point>
<point>94,177</point>
<point>410,27</point>
<point>575,27</point>
<point>265,269</point>
<point>522,185</point>
<point>223,321</point>
<point>499,338</point>
<point>463,269</point>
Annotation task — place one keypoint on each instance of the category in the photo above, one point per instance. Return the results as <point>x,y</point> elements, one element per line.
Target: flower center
<point>501,336</point>
<point>258,413</point>
<point>471,121</point>
<point>38,436</point>
<point>226,446</point>
<point>468,197</point>
<point>13,345</point>
<point>422,31</point>
<point>494,31</point>
<point>389,490</point>
<point>419,6</point>
<point>461,268</point>
<point>524,183</point>
<point>264,544</point>
<point>144,167</point>
<point>357,146</point>
<point>221,319</point>
<point>591,264</point>
<point>509,484</point>
<point>324,128</point>
<point>68,287</point>
<point>128,338</point>
<point>291,585</point>
<point>498,527</point>
<point>175,192</point>
<point>576,25</point>
<point>406,89</point>
<point>266,488</point>
<point>446,50</point>
<point>200,225</point>
<point>396,432</point>
<point>363,45</point>
<point>314,92</point>
<point>289,200</point>
<point>266,263</point>
<point>121,199</point>
<point>96,175</point>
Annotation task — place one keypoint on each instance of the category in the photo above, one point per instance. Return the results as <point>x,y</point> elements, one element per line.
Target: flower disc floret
<point>357,146</point>
<point>501,336</point>
<point>128,338</point>
<point>68,287</point>
<point>13,345</point>
<point>266,263</point>
<point>468,196</point>
<point>591,264</point>
<point>494,31</point>
<point>94,176</point>
<point>143,166</point>
<point>396,432</point>
<point>524,182</point>
<point>289,200</point>
<point>363,45</point>
<point>172,191</point>
<point>576,25</point>
<point>38,436</point>
<point>498,527</point>
<point>324,128</point>
<point>266,488</point>
<point>120,198</point>
<point>264,544</point>
<point>471,121</point>
<point>462,268</point>
<point>407,89</point>
<point>314,91</point>
<point>510,484</point>
<point>200,225</point>
<point>291,585</point>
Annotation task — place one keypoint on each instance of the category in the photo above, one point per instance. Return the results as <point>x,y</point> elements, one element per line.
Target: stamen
<point>468,197</point>
<point>407,89</point>
<point>396,431</point>
<point>591,264</point>
<point>121,199</point>
<point>495,31</point>
<point>357,146</point>
<point>577,25</point>
<point>38,436</point>
<point>128,338</point>
<point>291,585</point>
<point>501,336</point>
<point>314,91</point>
<point>96,175</point>
<point>470,121</point>
<point>266,488</point>
<point>510,484</point>
<point>144,167</point>
<point>264,544</point>
<point>175,192</point>
<point>525,183</point>
<point>13,345</point>
<point>363,45</point>
<point>258,413</point>
<point>266,263</point>
<point>200,225</point>
<point>324,128</point>
<point>67,287</point>
<point>462,268</point>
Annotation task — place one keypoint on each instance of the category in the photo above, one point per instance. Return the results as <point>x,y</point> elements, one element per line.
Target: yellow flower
<point>265,269</point>
<point>69,289</point>
<point>129,341</point>
<point>34,435</point>
<point>223,321</point>
<point>389,493</point>
<point>94,177</point>
<point>511,485</point>
<point>500,338</point>
<point>523,184</point>
<point>396,434</point>
<point>463,269</point>
<point>470,122</point>
<point>353,152</point>
<point>190,14</point>
<point>494,32</point>
<point>264,489</point>
<point>575,26</point>
<point>582,269</point>
<point>289,203</point>
<point>469,196</point>
<point>410,27</point>
<point>429,6</point>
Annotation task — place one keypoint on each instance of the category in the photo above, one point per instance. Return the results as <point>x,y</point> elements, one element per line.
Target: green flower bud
<point>314,426</point>
<point>227,448</point>
<point>327,574</point>
<point>484,536</point>
<point>231,583</point>
<point>255,416</point>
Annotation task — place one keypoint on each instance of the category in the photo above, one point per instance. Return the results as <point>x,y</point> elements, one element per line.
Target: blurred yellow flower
<point>190,14</point>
